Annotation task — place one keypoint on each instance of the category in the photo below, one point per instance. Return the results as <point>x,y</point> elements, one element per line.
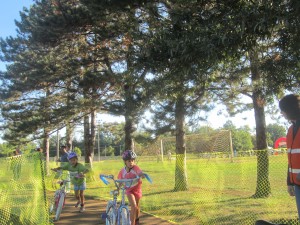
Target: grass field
<point>220,191</point>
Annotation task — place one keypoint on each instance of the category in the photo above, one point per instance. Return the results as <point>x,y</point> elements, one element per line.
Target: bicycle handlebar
<point>148,177</point>
<point>103,178</point>
<point>72,174</point>
<point>62,182</point>
<point>128,182</point>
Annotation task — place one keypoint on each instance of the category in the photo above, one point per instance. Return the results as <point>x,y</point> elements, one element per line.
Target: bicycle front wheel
<point>124,216</point>
<point>60,204</point>
<point>110,214</point>
<point>52,207</point>
<point>53,202</point>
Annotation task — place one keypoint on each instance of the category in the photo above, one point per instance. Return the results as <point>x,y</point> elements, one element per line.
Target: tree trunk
<point>46,146</point>
<point>89,137</point>
<point>69,133</point>
<point>86,131</point>
<point>129,118</point>
<point>92,139</point>
<point>46,140</point>
<point>128,134</point>
<point>69,124</point>
<point>263,188</point>
<point>181,183</point>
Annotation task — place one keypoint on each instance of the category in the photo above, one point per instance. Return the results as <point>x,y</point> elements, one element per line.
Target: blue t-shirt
<point>64,157</point>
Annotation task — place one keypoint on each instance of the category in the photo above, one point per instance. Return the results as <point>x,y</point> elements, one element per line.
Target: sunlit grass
<point>220,191</point>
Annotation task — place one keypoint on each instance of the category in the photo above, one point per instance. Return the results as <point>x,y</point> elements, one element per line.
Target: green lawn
<point>220,191</point>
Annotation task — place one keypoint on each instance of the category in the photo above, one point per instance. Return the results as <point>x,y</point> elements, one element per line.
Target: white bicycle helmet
<point>128,154</point>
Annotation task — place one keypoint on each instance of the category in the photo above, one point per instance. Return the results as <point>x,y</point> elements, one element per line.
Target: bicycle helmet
<point>128,154</point>
<point>72,155</point>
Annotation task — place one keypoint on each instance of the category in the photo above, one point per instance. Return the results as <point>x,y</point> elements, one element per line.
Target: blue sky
<point>9,12</point>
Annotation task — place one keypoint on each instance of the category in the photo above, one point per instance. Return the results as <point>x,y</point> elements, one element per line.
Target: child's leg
<point>81,197</point>
<point>77,195</point>
<point>137,200</point>
<point>133,208</point>
<point>76,191</point>
<point>81,194</point>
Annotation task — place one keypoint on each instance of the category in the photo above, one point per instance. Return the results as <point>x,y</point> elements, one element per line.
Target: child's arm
<point>139,172</point>
<point>82,174</point>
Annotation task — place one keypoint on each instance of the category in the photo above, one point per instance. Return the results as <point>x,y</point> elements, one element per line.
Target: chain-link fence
<point>215,190</point>
<point>211,188</point>
<point>203,145</point>
<point>22,190</point>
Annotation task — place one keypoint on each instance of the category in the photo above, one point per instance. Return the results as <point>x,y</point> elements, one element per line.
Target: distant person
<point>290,109</point>
<point>69,147</point>
<point>79,181</point>
<point>63,154</point>
<point>17,152</point>
<point>134,193</point>
<point>169,155</point>
<point>39,150</point>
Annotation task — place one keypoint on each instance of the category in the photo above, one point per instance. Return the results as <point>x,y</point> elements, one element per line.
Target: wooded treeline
<point>74,58</point>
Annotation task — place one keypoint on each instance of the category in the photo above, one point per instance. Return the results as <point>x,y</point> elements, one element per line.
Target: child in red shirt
<point>134,193</point>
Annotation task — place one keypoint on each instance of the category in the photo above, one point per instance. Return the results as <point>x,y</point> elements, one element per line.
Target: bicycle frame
<point>120,213</point>
<point>59,197</point>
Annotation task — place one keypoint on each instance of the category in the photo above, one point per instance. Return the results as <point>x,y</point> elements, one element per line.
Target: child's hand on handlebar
<point>80,175</point>
<point>141,175</point>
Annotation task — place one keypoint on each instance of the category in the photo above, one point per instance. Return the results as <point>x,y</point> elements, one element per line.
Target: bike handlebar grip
<point>102,177</point>
<point>148,178</point>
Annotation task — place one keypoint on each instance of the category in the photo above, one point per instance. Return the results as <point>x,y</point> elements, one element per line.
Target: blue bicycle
<point>118,214</point>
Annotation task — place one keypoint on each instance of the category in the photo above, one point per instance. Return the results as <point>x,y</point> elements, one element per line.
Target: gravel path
<point>92,214</point>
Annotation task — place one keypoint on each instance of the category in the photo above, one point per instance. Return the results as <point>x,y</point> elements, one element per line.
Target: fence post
<point>162,150</point>
<point>98,137</point>
<point>230,146</point>
<point>57,147</point>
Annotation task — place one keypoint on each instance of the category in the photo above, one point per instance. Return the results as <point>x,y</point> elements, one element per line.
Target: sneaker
<point>81,209</point>
<point>77,204</point>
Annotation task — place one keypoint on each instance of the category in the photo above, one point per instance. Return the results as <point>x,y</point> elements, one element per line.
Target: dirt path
<point>92,215</point>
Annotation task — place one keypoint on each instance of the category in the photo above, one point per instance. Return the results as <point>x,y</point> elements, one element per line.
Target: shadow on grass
<point>159,192</point>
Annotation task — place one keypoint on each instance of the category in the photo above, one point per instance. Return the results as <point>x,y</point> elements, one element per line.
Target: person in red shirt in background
<point>134,193</point>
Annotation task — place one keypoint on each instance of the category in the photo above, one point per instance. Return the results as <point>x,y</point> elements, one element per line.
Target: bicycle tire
<point>110,214</point>
<point>53,203</point>
<point>124,216</point>
<point>60,204</point>
<point>51,208</point>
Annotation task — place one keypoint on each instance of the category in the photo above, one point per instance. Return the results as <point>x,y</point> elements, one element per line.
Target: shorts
<point>80,187</point>
<point>136,192</point>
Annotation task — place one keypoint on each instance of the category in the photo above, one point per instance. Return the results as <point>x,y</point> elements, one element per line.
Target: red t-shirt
<point>133,173</point>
